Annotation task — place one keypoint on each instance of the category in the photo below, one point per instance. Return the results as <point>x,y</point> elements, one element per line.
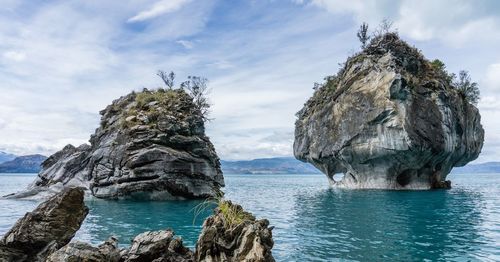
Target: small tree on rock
<point>468,89</point>
<point>197,88</point>
<point>168,79</point>
<point>363,35</point>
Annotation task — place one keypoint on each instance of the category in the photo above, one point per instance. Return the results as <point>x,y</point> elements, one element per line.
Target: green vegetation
<point>465,87</point>
<point>463,84</point>
<point>190,98</point>
<point>232,214</point>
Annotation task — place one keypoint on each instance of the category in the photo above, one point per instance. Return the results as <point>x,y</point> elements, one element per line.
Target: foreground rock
<point>79,251</point>
<point>388,120</point>
<point>47,228</point>
<point>232,234</point>
<point>149,145</point>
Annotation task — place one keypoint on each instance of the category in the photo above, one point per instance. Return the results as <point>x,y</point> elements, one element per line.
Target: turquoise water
<point>315,223</point>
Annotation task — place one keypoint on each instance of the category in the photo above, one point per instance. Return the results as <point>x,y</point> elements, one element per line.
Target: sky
<point>61,62</point>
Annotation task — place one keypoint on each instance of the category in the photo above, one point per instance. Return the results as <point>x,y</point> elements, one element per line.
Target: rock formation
<point>79,251</point>
<point>149,145</point>
<point>231,234</point>
<point>390,120</point>
<point>47,228</point>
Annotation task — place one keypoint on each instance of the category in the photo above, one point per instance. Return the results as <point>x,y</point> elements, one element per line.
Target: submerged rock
<point>47,228</point>
<point>150,145</point>
<point>388,120</point>
<point>232,234</point>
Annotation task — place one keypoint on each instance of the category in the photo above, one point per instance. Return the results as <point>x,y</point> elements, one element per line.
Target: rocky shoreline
<point>45,234</point>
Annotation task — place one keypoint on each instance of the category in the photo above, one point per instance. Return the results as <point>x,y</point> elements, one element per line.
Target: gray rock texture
<point>79,251</point>
<point>149,145</point>
<point>232,234</point>
<point>157,246</point>
<point>47,228</point>
<point>388,120</point>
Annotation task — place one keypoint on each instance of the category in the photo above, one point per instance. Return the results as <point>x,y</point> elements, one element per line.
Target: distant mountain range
<point>277,165</point>
<point>4,157</point>
<point>23,164</point>
<point>10,163</point>
<point>489,167</point>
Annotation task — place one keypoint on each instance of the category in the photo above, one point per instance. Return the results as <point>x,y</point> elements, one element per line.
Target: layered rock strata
<point>149,145</point>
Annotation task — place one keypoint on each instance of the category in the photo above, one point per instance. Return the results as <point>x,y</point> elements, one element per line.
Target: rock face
<point>388,120</point>
<point>157,246</point>
<point>150,145</point>
<point>47,228</point>
<point>79,251</point>
<point>232,234</point>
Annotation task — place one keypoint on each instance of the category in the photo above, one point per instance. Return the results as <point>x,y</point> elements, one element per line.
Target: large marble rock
<point>232,234</point>
<point>149,145</point>
<point>47,228</point>
<point>388,120</point>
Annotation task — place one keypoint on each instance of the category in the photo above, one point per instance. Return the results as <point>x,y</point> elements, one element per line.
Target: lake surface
<point>316,223</point>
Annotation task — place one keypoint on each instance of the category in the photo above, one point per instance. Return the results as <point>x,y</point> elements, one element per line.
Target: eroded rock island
<point>388,120</point>
<point>149,145</point>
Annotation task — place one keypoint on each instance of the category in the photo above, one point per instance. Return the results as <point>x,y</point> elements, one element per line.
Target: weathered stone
<point>157,246</point>
<point>388,120</point>
<point>140,150</point>
<point>79,251</point>
<point>47,228</point>
<point>225,238</point>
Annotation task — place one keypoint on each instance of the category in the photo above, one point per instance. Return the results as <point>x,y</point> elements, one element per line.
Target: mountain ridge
<point>23,164</point>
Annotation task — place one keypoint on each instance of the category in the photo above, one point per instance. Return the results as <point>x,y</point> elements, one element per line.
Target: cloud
<point>186,44</point>
<point>14,56</point>
<point>63,61</point>
<point>493,77</point>
<point>159,8</point>
<point>454,22</point>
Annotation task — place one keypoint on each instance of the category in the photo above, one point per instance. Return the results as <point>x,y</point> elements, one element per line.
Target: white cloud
<point>159,8</point>
<point>261,57</point>
<point>186,44</point>
<point>14,55</point>
<point>454,22</point>
<point>493,77</point>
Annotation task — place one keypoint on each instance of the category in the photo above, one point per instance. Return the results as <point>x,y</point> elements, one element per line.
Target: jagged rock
<point>47,228</point>
<point>79,251</point>
<point>157,246</point>
<point>232,234</point>
<point>388,120</point>
<point>150,145</point>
